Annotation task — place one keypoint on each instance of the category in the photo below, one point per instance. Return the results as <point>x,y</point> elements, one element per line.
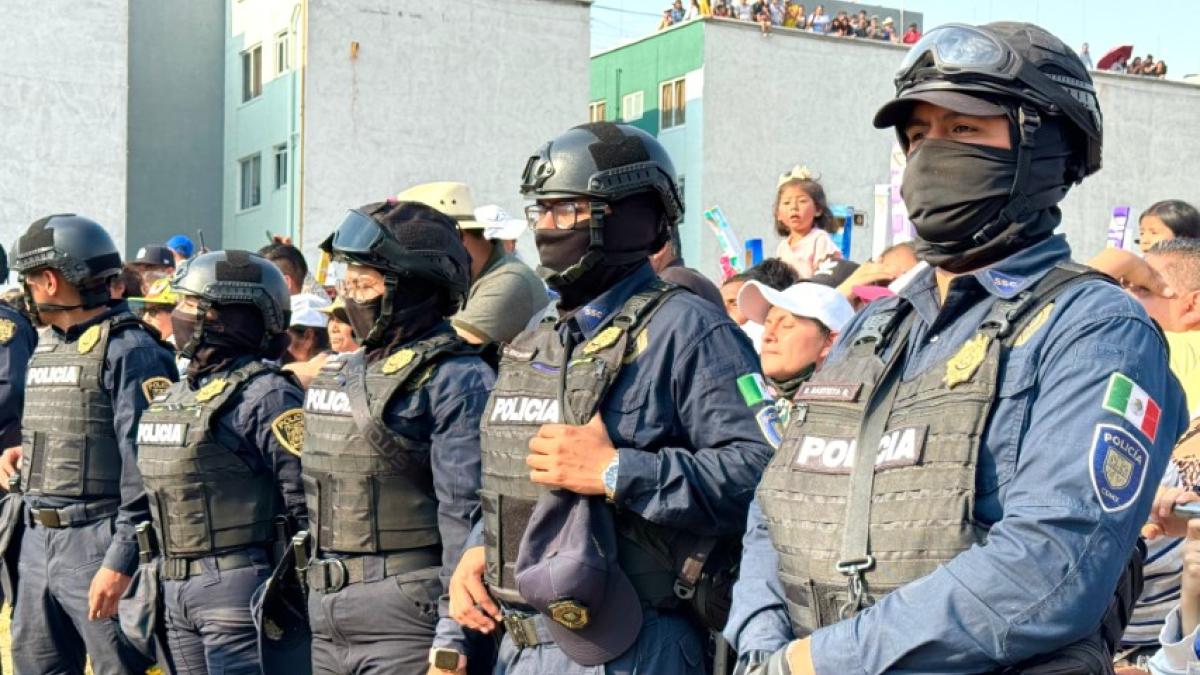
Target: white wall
<point>63,89</point>
<point>463,91</point>
<point>772,102</point>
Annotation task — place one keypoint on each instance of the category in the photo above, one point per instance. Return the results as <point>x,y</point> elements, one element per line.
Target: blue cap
<point>567,570</point>
<point>181,245</point>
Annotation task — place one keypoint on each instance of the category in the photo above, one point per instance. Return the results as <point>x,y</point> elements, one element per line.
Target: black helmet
<point>1019,62</point>
<point>404,240</point>
<point>235,277</point>
<point>76,247</point>
<point>605,162</point>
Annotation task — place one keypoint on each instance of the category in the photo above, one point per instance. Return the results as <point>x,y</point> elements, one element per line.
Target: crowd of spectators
<point>790,14</point>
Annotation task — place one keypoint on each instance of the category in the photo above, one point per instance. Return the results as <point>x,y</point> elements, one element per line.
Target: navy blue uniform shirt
<point>17,340</point>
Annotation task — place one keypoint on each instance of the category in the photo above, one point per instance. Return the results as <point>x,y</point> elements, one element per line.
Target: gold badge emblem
<point>289,430</point>
<point>1118,469</point>
<point>155,387</point>
<point>398,360</point>
<point>272,630</point>
<point>569,613</point>
<point>605,339</point>
<point>1034,325</point>
<point>87,341</point>
<point>963,365</point>
<point>7,330</point>
<point>211,390</point>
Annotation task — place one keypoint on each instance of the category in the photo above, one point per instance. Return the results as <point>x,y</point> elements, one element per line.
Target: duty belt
<point>522,628</point>
<point>71,515</point>
<point>330,575</point>
<point>181,569</point>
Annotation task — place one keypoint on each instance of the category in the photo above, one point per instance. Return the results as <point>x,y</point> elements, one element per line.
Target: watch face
<point>445,659</point>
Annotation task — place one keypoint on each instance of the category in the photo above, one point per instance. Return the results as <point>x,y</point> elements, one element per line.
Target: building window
<point>281,166</point>
<point>672,103</point>
<point>251,73</point>
<point>251,180</point>
<point>596,111</point>
<point>631,107</point>
<point>282,53</point>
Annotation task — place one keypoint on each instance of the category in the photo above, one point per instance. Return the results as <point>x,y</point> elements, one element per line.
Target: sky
<point>1164,28</point>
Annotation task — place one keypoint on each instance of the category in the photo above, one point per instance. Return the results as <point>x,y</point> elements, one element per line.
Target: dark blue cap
<point>567,569</point>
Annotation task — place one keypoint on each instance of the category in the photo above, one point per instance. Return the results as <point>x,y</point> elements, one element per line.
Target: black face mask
<point>363,315</point>
<point>232,332</point>
<point>953,189</point>
<point>183,326</point>
<point>560,249</point>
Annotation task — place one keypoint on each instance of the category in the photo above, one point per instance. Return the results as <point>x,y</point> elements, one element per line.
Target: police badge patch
<point>155,387</point>
<point>961,368</point>
<point>211,390</point>
<point>397,361</point>
<point>1118,466</point>
<point>87,341</point>
<point>289,430</point>
<point>7,330</point>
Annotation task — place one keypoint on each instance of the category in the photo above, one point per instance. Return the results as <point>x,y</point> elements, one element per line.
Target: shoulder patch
<point>87,341</point>
<point>770,424</point>
<point>289,430</point>
<point>8,329</point>
<point>1034,325</point>
<point>155,387</point>
<point>1118,464</point>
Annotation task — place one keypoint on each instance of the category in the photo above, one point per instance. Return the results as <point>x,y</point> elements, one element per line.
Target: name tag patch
<point>828,391</point>
<point>330,401</point>
<point>1118,466</point>
<point>161,433</point>
<point>897,448</point>
<point>525,409</point>
<point>52,375</point>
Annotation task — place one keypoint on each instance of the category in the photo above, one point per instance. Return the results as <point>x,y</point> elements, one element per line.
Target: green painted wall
<point>644,65</point>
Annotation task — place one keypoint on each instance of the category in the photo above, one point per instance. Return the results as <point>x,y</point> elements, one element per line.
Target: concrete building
<point>755,105</point>
<point>378,97</point>
<point>111,110</point>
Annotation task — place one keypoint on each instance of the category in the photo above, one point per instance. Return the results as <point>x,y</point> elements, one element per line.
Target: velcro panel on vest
<point>70,445</point>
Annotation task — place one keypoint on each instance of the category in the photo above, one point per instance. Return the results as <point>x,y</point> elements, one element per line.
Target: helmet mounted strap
<point>595,250</point>
<point>1028,121</point>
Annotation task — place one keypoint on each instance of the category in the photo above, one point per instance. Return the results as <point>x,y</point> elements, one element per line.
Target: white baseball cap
<point>813,301</point>
<point>306,311</point>
<point>497,224</point>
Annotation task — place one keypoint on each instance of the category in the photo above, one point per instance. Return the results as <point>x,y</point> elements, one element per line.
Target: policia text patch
<point>831,454</point>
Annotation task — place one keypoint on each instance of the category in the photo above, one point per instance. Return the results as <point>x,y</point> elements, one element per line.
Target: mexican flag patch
<point>1125,398</point>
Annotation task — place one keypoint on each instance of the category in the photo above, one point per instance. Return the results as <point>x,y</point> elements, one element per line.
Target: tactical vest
<point>540,382</point>
<point>203,497</point>
<point>846,537</point>
<point>369,489</point>
<point>69,447</point>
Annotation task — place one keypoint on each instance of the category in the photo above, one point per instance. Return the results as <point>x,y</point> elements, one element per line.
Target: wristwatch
<point>444,659</point>
<point>610,477</point>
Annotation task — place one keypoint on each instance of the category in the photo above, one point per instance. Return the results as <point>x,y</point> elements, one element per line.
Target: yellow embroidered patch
<point>87,341</point>
<point>397,361</point>
<point>155,387</point>
<point>605,339</point>
<point>7,330</point>
<point>289,430</point>
<point>962,366</point>
<point>211,390</point>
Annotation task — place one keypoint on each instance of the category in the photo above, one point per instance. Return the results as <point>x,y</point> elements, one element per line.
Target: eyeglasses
<point>566,215</point>
<point>359,289</point>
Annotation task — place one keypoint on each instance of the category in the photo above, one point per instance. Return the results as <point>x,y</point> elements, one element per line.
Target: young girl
<point>802,217</point>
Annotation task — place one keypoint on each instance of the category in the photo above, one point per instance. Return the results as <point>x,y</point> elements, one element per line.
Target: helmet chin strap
<point>593,257</point>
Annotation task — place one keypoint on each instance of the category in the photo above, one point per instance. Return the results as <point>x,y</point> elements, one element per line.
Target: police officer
<point>640,393</point>
<point>220,455</point>
<point>391,463</point>
<point>17,340</point>
<point>89,380</point>
<point>1018,410</point>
